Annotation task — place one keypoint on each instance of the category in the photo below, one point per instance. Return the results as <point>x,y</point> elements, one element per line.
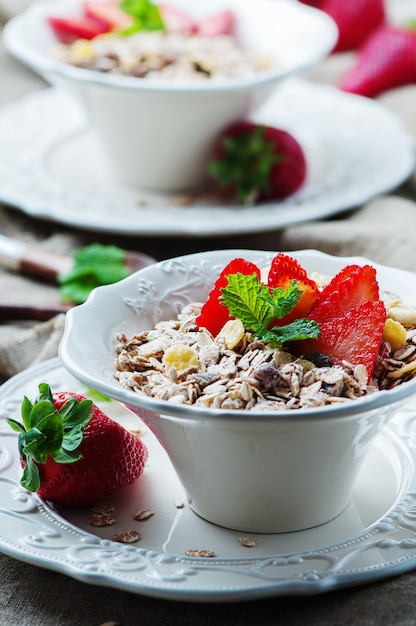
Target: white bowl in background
<point>253,472</point>
<point>159,134</point>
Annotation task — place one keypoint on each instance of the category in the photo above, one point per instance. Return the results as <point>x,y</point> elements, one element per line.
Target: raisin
<point>320,360</point>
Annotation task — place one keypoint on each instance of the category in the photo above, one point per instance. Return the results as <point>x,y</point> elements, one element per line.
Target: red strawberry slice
<point>354,337</point>
<point>283,270</point>
<point>67,30</point>
<point>221,23</point>
<point>254,162</point>
<point>213,314</point>
<point>107,13</point>
<point>72,453</point>
<point>177,21</point>
<point>386,60</point>
<point>355,19</point>
<point>350,288</point>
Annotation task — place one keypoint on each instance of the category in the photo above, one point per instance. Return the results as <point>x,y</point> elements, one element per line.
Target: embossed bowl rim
<point>87,346</point>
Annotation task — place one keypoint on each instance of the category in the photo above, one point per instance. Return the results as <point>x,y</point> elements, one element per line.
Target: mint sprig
<point>256,307</point>
<point>145,14</point>
<point>44,432</point>
<point>94,265</point>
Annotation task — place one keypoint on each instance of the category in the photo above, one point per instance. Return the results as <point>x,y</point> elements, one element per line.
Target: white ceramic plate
<point>373,539</point>
<point>51,167</point>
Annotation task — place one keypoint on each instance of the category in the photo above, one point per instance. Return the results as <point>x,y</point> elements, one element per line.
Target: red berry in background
<point>355,19</point>
<point>221,23</point>
<point>67,30</point>
<point>386,60</point>
<point>254,162</point>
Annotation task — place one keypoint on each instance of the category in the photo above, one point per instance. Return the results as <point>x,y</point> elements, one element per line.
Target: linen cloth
<point>383,230</point>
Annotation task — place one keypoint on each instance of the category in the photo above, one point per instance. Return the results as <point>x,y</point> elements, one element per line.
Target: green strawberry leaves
<point>246,164</point>
<point>47,432</point>
<point>256,307</point>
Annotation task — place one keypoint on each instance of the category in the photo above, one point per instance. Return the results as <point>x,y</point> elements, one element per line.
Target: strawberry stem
<point>246,164</point>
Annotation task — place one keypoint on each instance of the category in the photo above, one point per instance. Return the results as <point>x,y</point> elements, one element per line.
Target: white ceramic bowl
<point>158,134</point>
<point>263,472</point>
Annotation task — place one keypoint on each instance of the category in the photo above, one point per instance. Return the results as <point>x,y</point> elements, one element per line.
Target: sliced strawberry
<point>355,19</point>
<point>350,288</point>
<point>253,162</point>
<point>354,337</point>
<point>67,30</point>
<point>71,452</point>
<point>213,314</point>
<point>283,270</point>
<point>177,21</point>
<point>387,59</point>
<point>221,23</point>
<point>108,13</point>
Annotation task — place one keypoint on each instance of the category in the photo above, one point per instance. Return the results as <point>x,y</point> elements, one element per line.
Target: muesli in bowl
<point>158,133</point>
<point>266,423</point>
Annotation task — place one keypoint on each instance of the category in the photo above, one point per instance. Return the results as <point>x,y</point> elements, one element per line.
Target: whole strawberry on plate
<point>254,162</point>
<point>387,59</point>
<point>71,452</point>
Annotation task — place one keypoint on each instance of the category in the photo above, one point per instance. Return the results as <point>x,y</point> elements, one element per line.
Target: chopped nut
<point>394,333</point>
<point>180,504</point>
<point>403,313</point>
<point>232,332</point>
<point>143,514</point>
<point>127,536</point>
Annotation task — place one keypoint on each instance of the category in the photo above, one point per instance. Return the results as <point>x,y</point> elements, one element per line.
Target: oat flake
<point>201,553</point>
<point>143,514</point>
<point>127,536</point>
<point>98,519</point>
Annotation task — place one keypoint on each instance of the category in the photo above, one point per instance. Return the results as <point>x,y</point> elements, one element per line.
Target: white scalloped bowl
<point>263,472</point>
<point>159,134</point>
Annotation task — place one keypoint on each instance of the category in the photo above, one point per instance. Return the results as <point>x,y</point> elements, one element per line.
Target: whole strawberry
<point>355,19</point>
<point>387,59</point>
<point>254,162</point>
<point>71,452</point>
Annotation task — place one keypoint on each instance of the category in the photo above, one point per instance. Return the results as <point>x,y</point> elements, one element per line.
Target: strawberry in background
<point>254,162</point>
<point>355,19</point>
<point>387,59</point>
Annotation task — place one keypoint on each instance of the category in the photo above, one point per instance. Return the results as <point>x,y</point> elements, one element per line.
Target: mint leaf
<point>145,14</point>
<point>242,298</point>
<point>256,306</point>
<point>94,265</point>
<point>285,300</point>
<point>295,331</point>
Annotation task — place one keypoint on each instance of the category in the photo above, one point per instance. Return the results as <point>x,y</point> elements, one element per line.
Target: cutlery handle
<point>33,260</point>
<point>35,312</point>
<point>36,261</point>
